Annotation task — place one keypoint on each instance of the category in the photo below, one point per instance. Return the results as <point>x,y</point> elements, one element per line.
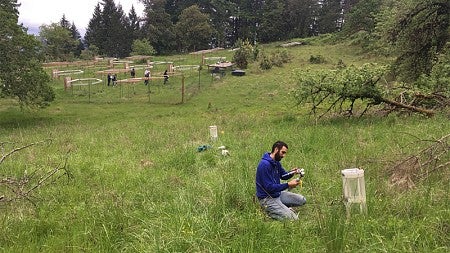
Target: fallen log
<point>428,113</point>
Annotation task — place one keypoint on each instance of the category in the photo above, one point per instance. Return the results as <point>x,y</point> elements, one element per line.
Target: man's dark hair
<point>279,145</point>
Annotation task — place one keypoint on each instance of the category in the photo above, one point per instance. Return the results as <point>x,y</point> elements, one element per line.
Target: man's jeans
<point>278,208</point>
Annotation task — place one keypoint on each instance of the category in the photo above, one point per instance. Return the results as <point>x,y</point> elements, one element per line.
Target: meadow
<point>136,182</point>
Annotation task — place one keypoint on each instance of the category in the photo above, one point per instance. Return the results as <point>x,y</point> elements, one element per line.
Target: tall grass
<point>140,185</point>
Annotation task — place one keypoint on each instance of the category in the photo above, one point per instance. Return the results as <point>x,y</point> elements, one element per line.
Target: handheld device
<point>300,172</point>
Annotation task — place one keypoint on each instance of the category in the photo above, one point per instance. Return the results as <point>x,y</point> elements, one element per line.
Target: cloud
<point>34,13</point>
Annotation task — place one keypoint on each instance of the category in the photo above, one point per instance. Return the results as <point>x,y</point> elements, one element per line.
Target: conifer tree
<point>417,31</point>
<point>158,27</point>
<point>330,16</point>
<point>300,14</point>
<point>272,22</point>
<point>134,27</point>
<point>95,31</point>
<point>107,30</point>
<point>64,23</point>
<point>76,36</point>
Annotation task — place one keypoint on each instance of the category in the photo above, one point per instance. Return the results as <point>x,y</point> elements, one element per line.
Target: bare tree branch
<point>23,188</point>
<point>421,165</point>
<point>429,113</point>
<point>4,156</point>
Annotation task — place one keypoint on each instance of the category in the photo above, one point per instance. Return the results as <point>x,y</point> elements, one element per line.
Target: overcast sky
<point>34,13</point>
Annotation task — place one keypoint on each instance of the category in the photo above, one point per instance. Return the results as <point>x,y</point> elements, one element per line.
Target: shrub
<point>316,59</point>
<point>142,47</point>
<point>255,52</point>
<point>277,58</point>
<point>265,62</point>
<point>340,64</point>
<point>280,57</point>
<point>244,54</point>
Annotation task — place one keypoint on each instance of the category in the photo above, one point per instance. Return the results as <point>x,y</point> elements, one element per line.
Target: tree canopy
<point>110,30</point>
<point>193,29</point>
<point>418,31</point>
<point>58,42</point>
<point>158,27</point>
<point>21,73</point>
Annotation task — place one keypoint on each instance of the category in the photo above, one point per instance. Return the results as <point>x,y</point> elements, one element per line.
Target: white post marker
<point>213,132</point>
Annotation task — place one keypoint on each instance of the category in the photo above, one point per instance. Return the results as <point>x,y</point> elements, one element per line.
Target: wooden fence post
<point>182,89</point>
<point>67,83</point>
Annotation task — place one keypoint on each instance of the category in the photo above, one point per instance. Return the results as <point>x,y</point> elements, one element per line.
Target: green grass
<point>139,184</point>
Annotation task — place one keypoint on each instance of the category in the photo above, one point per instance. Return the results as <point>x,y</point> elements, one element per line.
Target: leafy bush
<point>89,53</point>
<point>265,62</point>
<point>255,52</point>
<point>142,47</point>
<point>316,59</point>
<point>340,64</point>
<point>244,54</point>
<point>277,58</point>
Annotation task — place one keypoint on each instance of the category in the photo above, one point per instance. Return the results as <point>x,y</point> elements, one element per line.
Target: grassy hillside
<point>138,184</point>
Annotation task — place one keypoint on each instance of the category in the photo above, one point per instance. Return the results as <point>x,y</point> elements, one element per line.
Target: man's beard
<point>278,157</point>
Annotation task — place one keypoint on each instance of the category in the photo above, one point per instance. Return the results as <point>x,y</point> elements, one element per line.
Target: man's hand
<point>293,183</point>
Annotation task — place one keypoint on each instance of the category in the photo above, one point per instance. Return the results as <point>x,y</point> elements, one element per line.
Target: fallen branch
<point>50,174</point>
<point>4,156</point>
<point>345,90</point>
<point>394,103</point>
<point>420,166</point>
<point>24,187</point>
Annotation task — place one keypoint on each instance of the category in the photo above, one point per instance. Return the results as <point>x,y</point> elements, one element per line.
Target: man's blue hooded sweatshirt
<point>268,176</point>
